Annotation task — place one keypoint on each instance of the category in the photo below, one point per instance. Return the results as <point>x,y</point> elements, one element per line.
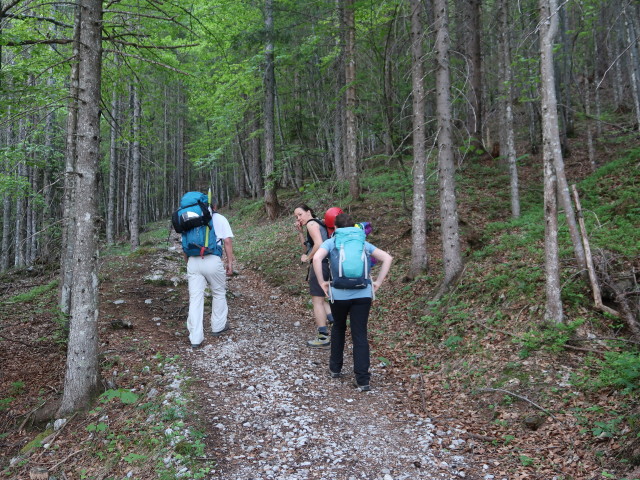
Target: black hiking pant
<point>357,310</point>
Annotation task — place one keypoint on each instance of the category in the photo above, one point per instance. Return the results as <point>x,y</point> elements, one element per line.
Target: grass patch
<point>39,293</point>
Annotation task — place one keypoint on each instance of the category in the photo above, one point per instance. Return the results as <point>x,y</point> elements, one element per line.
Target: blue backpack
<point>193,221</point>
<point>349,261</point>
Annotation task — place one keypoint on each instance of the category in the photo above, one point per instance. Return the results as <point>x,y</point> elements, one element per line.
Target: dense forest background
<point>183,87</point>
<point>110,111</point>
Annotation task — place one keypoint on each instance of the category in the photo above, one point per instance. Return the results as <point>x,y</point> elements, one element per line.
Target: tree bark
<point>507,141</point>
<point>134,210</point>
<point>452,257</point>
<point>68,204</point>
<point>550,150</point>
<point>419,258</point>
<point>113,165</point>
<point>270,197</point>
<point>351,165</point>
<point>339,114</point>
<point>634,72</point>
<point>474,29</point>
<point>82,371</point>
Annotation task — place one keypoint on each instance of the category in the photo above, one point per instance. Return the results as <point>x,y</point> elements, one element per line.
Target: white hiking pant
<point>200,272</point>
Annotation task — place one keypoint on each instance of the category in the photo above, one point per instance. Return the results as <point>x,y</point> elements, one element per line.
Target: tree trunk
<point>134,210</point>
<point>474,119</point>
<point>270,197</point>
<point>452,257</point>
<point>82,371</point>
<point>389,104</point>
<point>419,257</point>
<point>507,141</point>
<point>19,239</point>
<point>589,122</point>
<point>339,114</point>
<point>551,149</point>
<point>48,215</point>
<point>113,165</point>
<point>69,204</point>
<point>351,166</point>
<point>255,154</point>
<point>633,65</point>
<point>6,231</point>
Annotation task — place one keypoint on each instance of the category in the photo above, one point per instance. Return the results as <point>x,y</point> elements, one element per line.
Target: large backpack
<point>193,221</point>
<point>349,261</point>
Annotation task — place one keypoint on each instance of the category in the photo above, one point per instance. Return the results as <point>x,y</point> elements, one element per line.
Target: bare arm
<point>320,255</point>
<point>385,260</point>
<point>314,232</point>
<point>228,252</point>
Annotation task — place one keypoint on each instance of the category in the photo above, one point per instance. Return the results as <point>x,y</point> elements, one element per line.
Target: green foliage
<point>444,317</point>
<point>526,461</point>
<point>550,337</point>
<point>620,370</point>
<point>17,388</point>
<point>125,396</point>
<point>610,203</point>
<point>387,184</point>
<point>99,427</point>
<point>5,403</point>
<point>34,294</point>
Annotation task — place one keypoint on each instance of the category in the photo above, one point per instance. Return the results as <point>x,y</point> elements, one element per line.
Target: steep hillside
<point>551,401</point>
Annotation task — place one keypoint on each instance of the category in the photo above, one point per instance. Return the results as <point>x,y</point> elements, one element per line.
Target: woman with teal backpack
<point>351,290</point>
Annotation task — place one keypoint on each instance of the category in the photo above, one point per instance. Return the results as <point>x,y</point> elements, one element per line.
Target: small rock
<point>58,424</point>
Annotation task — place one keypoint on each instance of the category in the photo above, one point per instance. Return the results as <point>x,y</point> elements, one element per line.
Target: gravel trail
<point>277,414</point>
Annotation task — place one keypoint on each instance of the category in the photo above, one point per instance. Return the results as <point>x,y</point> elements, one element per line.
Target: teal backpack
<point>349,261</point>
<point>193,221</point>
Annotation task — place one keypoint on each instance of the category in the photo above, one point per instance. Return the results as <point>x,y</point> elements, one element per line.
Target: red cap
<point>330,218</point>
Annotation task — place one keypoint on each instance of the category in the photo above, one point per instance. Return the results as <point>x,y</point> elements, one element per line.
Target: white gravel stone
<point>277,413</point>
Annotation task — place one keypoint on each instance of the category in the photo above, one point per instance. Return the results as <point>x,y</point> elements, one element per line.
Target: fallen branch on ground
<point>520,397</point>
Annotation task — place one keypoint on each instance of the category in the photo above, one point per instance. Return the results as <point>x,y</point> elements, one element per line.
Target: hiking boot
<point>362,388</point>
<point>196,346</point>
<point>226,328</point>
<point>335,374</point>
<point>320,341</point>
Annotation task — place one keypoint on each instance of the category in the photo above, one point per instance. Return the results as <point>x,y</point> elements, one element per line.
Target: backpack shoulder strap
<point>324,233</point>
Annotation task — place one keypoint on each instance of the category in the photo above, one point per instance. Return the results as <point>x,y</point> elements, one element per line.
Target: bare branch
<point>143,59</point>
<point>9,6</point>
<point>50,41</point>
<point>136,14</point>
<point>153,47</point>
<point>37,17</point>
<point>518,396</point>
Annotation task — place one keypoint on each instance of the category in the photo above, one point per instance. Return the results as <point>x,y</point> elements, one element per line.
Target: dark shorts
<point>314,287</point>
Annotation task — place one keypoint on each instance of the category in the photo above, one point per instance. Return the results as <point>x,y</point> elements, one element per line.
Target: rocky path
<point>276,413</point>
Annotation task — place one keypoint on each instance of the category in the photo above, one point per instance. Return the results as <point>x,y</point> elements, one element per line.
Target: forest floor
<point>257,403</point>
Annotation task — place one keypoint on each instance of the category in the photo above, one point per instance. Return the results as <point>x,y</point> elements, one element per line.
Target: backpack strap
<point>324,233</point>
